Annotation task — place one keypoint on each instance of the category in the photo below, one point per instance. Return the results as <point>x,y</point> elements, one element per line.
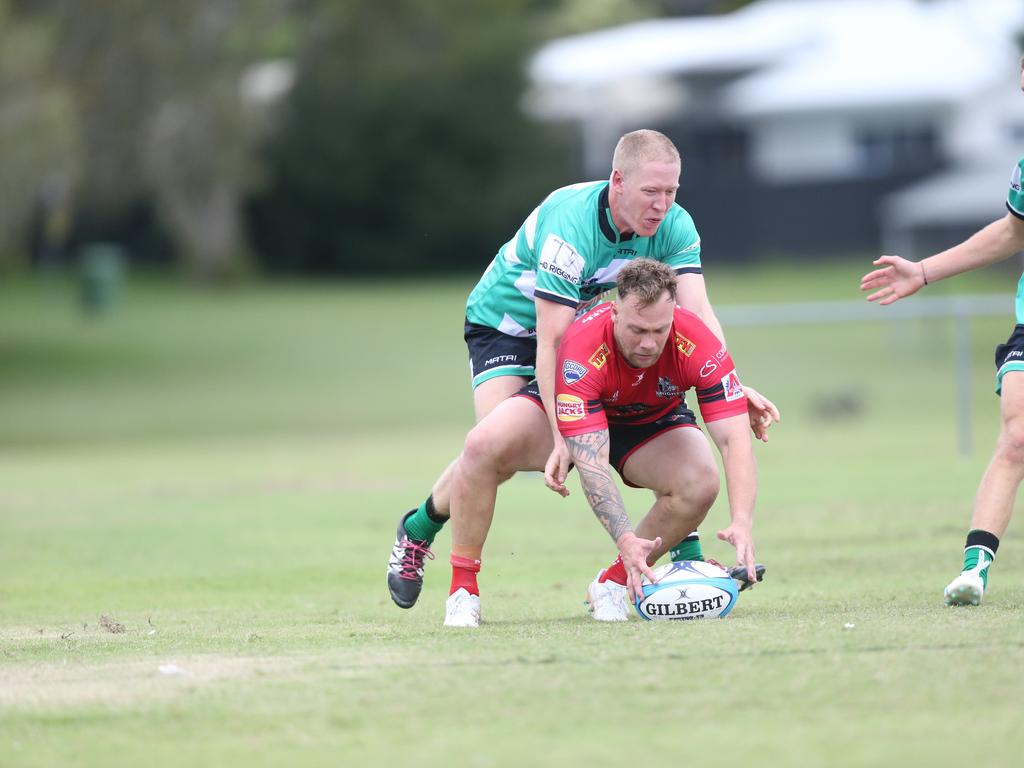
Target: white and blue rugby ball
<point>689,589</point>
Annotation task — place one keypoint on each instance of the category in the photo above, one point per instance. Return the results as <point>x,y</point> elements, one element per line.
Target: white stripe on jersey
<point>526,284</point>
<point>510,327</point>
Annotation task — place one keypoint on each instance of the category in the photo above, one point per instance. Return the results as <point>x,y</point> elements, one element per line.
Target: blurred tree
<point>157,92</point>
<point>38,149</point>
<point>404,144</point>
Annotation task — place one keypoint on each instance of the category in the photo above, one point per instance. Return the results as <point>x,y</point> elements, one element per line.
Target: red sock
<point>615,572</point>
<point>464,571</point>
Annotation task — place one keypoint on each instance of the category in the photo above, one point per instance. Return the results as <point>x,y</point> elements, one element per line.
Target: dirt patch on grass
<point>69,683</point>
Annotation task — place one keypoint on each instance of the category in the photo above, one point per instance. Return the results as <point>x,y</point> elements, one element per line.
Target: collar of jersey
<point>604,220</point>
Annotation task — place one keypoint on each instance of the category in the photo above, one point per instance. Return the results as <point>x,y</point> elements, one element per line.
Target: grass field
<point>208,482</point>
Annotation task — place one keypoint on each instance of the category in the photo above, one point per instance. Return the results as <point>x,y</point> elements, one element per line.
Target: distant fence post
<point>962,368</point>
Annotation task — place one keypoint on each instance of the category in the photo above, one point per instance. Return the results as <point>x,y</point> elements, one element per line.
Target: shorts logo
<point>710,366</point>
<point>684,345</point>
<point>600,356</point>
<point>573,371</point>
<point>731,386</point>
<point>569,408</point>
<point>500,359</point>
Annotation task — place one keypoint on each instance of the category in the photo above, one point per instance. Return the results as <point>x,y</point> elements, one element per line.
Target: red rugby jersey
<point>595,386</point>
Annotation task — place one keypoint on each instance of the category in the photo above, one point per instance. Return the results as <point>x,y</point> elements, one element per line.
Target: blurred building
<point>814,127</point>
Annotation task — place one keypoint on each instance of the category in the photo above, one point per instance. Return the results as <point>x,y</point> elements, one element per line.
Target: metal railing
<point>958,308</point>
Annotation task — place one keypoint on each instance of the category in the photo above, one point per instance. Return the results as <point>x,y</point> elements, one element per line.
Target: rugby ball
<point>689,589</point>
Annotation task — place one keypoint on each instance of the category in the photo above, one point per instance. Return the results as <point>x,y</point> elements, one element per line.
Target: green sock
<point>421,525</point>
<point>978,559</point>
<point>687,549</point>
<point>980,552</point>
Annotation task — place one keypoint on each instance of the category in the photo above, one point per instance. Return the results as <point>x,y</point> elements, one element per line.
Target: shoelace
<point>412,558</point>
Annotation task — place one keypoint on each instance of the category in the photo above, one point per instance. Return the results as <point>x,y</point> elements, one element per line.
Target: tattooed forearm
<point>590,454</point>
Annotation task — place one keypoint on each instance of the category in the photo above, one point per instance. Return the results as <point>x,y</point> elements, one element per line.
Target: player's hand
<point>557,467</point>
<point>896,279</point>
<point>742,539</point>
<point>634,552</point>
<point>762,413</point>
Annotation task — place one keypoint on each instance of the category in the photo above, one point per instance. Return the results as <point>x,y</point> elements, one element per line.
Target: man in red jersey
<point>622,372</point>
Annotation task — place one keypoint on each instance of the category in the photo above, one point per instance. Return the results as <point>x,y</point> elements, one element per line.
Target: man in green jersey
<point>993,505</point>
<point>565,255</point>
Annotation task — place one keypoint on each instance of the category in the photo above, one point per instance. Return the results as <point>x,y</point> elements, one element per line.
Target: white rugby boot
<point>969,587</point>
<point>462,609</point>
<point>608,601</point>
<point>966,589</point>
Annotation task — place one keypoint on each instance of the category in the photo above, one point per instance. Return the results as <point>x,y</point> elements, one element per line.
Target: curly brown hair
<point>647,280</point>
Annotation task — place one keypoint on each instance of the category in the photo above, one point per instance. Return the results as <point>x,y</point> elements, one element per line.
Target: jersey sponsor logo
<point>1015,184</point>
<point>721,353</point>
<point>684,345</point>
<point>569,408</point>
<point>561,259</point>
<point>626,252</point>
<point>667,388</point>
<point>573,371</point>
<point>710,366</point>
<point>731,386</point>
<point>600,356</point>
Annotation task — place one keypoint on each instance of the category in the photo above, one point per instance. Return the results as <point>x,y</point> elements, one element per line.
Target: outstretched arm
<point>733,441</point>
<point>898,278</point>
<point>590,454</point>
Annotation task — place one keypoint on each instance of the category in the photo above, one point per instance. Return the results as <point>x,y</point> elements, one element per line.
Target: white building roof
<point>804,54</point>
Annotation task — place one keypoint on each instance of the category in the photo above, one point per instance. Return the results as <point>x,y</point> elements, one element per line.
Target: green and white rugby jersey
<point>1015,205</point>
<point>568,251</point>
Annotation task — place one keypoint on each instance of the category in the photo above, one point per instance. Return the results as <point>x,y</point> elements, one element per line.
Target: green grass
<point>221,472</point>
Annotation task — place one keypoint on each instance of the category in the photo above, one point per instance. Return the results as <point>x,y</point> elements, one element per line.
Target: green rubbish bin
<point>102,267</point>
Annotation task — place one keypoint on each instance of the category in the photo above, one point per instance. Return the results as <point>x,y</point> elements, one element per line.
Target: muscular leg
<point>417,529</point>
<point>486,398</point>
<point>997,492</point>
<point>515,436</point>
<point>679,467</point>
<point>993,505</point>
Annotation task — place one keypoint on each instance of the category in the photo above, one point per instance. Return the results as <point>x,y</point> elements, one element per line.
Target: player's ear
<point>617,179</point>
<point>615,309</point>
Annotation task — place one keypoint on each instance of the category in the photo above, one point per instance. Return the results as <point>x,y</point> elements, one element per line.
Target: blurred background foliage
<point>221,137</point>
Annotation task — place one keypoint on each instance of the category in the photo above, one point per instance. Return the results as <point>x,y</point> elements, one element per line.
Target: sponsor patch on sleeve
<point>684,345</point>
<point>573,371</point>
<point>600,356</point>
<point>569,408</point>
<point>561,260</point>
<point>731,386</point>
<point>710,366</point>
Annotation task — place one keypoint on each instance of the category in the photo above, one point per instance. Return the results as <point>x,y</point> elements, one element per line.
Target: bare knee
<point>694,493</point>
<point>483,452</point>
<point>1010,447</point>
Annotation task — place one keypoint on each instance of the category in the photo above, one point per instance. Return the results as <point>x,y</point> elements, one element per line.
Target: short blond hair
<point>648,281</point>
<point>643,146</point>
